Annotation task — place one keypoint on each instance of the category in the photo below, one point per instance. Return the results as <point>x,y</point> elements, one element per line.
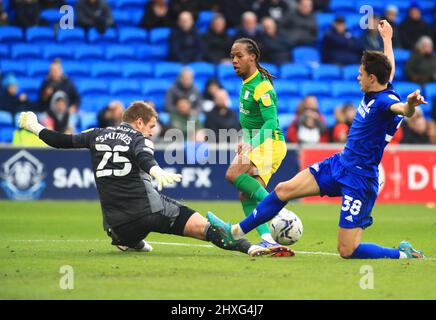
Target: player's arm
<point>28,121</point>
<point>407,109</point>
<point>386,33</point>
<point>144,155</point>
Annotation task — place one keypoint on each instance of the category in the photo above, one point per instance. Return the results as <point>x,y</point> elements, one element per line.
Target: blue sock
<point>374,251</point>
<point>267,209</point>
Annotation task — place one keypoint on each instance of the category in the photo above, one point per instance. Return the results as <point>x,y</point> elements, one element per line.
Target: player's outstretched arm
<point>407,109</point>
<point>163,177</point>
<point>28,121</point>
<point>386,33</point>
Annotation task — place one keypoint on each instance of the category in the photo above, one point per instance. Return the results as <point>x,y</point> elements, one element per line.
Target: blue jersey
<point>372,129</point>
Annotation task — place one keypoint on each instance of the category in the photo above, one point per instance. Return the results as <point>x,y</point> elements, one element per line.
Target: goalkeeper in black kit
<point>123,164</point>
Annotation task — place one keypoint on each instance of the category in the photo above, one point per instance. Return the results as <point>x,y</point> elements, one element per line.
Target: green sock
<point>251,187</point>
<point>248,206</point>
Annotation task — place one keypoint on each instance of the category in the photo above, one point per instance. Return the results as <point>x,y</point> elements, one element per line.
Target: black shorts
<point>171,220</point>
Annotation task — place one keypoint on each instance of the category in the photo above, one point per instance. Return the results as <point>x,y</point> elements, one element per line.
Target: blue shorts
<point>358,192</point>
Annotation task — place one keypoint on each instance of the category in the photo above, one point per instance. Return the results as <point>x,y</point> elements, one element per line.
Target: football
<point>286,228</point>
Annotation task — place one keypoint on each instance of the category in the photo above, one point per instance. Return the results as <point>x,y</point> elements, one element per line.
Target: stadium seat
<point>25,51</point>
<point>132,35</point>
<point>155,86</point>
<point>401,55</point>
<point>377,5</point>
<point>4,51</point>
<point>108,37</point>
<point>350,72</point>
<point>225,71</point>
<point>53,51</point>
<point>30,86</point>
<point>87,120</point>
<point>353,21</point>
<point>53,16</point>
<point>12,66</point>
<point>71,36</point>
<point>159,35</point>
<point>125,18</point>
<point>324,20</point>
<point>106,70</point>
<point>167,70</point>
<point>88,52</point>
<point>294,71</point>
<point>127,99</point>
<point>232,86</point>
<point>405,88</point>
<point>9,34</point>
<point>330,120</point>
<point>75,69</point>
<point>430,91</point>
<point>306,55</point>
<point>152,53</point>
<point>317,88</point>
<point>327,72</point>
<point>38,68</point>
<point>94,103</point>
<point>272,68</point>
<point>164,118</point>
<point>92,87</point>
<point>204,19</point>
<point>346,89</point>
<point>120,53</point>
<point>6,119</point>
<point>40,35</point>
<point>286,88</point>
<point>328,105</point>
<point>202,70</point>
<point>129,5</point>
<point>285,120</point>
<point>6,134</point>
<point>342,6</point>
<point>290,105</point>
<point>124,87</point>
<point>139,70</point>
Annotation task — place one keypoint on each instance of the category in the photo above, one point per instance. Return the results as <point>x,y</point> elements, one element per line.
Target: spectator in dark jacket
<point>186,44</point>
<point>111,116</point>
<point>57,81</point>
<point>216,41</point>
<point>156,15</point>
<point>221,117</point>
<point>275,9</point>
<point>415,129</point>
<point>391,15</point>
<point>300,26</point>
<point>413,27</point>
<point>50,4</point>
<point>4,19</point>
<point>339,46</point>
<point>248,27</point>
<point>421,67</point>
<point>27,13</point>
<point>371,39</point>
<point>10,100</point>
<point>57,117</point>
<point>275,48</point>
<point>94,14</point>
<point>184,88</point>
<point>233,10</point>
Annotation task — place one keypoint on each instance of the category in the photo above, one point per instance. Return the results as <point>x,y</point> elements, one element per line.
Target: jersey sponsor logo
<point>242,110</point>
<point>22,176</point>
<point>74,178</point>
<point>364,108</point>
<point>266,100</point>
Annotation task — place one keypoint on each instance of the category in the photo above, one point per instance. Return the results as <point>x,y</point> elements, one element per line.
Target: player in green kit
<point>263,148</point>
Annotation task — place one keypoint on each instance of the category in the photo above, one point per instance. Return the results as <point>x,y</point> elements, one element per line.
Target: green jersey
<point>258,110</point>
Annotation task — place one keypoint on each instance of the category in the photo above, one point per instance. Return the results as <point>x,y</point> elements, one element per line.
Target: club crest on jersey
<point>266,100</point>
<point>246,94</point>
<point>364,108</point>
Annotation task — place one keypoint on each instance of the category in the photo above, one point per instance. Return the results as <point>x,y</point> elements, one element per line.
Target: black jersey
<point>121,160</point>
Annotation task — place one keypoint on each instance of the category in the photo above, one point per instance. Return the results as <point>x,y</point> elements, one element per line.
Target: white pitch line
<point>180,244</point>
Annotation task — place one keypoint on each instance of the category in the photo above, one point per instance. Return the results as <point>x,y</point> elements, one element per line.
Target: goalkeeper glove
<point>164,178</point>
<point>28,121</point>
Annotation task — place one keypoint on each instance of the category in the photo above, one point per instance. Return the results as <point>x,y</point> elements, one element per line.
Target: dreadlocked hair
<point>252,47</point>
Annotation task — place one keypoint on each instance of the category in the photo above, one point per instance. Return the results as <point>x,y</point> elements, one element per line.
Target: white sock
<point>237,232</point>
<point>268,237</point>
<point>403,255</point>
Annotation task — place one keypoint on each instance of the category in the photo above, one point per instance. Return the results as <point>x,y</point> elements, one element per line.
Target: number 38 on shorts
<point>352,205</point>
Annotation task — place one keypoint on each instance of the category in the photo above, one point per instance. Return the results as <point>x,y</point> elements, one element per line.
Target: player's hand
<point>243,147</point>
<point>385,29</point>
<point>415,99</point>
<point>164,178</point>
<point>28,121</point>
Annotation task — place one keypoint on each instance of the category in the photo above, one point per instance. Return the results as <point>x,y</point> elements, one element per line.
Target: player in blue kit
<point>352,173</point>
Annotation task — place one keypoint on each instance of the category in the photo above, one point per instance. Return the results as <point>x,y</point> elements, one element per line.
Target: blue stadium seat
<point>377,5</point>
<point>328,105</point>
<point>11,66</point>
<point>405,88</point>
<point>164,118</point>
<point>120,53</point>
<point>124,87</point>
<point>87,120</point>
<point>291,104</point>
<point>327,72</point>
<point>350,72</point>
<point>167,70</point>
<point>38,68</point>
<point>430,91</point>
<point>106,70</point>
<point>324,20</point>
<point>399,74</point>
<point>330,120</point>
<point>204,19</point>
<point>342,6</point>
<point>139,70</point>
<point>152,53</point>
<point>25,51</point>
<point>92,87</point>
<point>30,86</point>
<point>125,18</point>
<point>353,21</point>
<point>346,89</point>
<point>159,35</point>
<point>155,87</point>
<point>294,71</point>
<point>4,51</point>
<point>9,34</point>
<point>6,119</point>
<point>71,36</point>
<point>6,134</point>
<point>306,55</point>
<point>225,71</point>
<point>75,69</point>
<point>285,88</point>
<point>40,35</point>
<point>129,5</point>
<point>128,98</point>
<point>108,37</point>
<point>94,102</point>
<point>131,35</point>
<point>232,86</point>
<point>54,51</point>
<point>88,52</point>
<point>401,55</point>
<point>285,119</point>
<point>317,88</point>
<point>53,16</point>
<point>203,70</point>
<point>272,68</point>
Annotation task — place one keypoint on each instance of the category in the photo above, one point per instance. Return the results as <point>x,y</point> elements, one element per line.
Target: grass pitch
<point>38,238</point>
